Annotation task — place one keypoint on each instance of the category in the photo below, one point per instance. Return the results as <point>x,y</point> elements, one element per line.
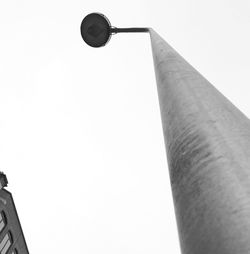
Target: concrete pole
<point>208,149</point>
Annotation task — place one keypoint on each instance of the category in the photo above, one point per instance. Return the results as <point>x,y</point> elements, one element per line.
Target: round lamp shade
<point>95,30</point>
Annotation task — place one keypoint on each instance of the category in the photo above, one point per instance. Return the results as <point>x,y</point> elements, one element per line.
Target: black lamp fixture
<point>96,30</point>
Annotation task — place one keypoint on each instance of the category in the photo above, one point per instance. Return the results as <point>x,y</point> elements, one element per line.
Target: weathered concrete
<point>208,149</point>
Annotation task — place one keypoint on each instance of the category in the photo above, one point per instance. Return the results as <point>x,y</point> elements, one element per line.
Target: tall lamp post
<point>207,142</point>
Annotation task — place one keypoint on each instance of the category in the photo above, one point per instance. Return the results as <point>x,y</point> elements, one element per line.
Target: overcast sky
<point>80,132</point>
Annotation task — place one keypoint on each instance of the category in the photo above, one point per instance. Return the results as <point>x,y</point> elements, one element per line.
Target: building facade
<point>12,239</point>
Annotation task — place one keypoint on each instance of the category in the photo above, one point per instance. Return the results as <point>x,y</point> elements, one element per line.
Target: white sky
<point>80,132</point>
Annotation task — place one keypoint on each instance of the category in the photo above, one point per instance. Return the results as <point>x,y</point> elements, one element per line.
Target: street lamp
<point>96,30</point>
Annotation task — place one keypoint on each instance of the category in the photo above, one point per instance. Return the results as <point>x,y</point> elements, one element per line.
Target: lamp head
<point>96,30</point>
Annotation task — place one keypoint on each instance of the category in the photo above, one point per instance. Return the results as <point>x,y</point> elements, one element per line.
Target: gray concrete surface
<point>208,149</point>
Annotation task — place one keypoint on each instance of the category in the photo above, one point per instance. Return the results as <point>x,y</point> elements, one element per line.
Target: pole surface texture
<point>208,149</point>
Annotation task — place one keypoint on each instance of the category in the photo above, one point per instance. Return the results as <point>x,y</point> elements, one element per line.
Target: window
<point>2,221</point>
<point>6,243</point>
